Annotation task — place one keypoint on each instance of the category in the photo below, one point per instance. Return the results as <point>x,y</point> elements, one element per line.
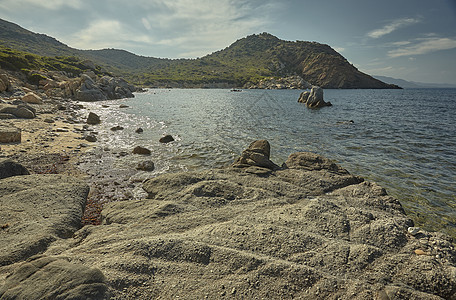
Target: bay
<point>403,139</point>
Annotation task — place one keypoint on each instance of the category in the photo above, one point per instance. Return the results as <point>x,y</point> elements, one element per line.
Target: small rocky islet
<point>256,229</point>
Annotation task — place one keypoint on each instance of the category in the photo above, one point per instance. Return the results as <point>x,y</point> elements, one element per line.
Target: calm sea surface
<point>403,139</point>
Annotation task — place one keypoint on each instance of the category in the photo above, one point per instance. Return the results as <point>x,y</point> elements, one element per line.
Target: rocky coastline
<point>306,228</point>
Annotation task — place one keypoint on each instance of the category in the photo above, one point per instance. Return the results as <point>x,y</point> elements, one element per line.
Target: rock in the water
<point>118,127</point>
<point>257,154</point>
<point>141,150</point>
<point>93,119</point>
<point>147,165</point>
<point>139,130</point>
<point>38,209</point>
<point>9,134</point>
<point>166,139</point>
<point>32,98</point>
<point>9,168</point>
<point>43,277</point>
<point>314,98</point>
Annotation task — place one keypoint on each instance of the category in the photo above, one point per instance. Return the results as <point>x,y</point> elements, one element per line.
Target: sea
<point>405,140</point>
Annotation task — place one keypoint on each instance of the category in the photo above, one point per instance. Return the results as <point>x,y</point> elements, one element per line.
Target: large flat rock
<point>9,134</point>
<point>308,231</point>
<point>36,210</point>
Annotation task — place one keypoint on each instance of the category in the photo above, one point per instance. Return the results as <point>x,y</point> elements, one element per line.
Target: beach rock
<point>38,209</point>
<point>314,98</point>
<point>5,116</point>
<point>5,84</point>
<point>147,165</point>
<point>116,88</point>
<point>257,154</point>
<point>9,134</point>
<point>141,150</point>
<point>9,168</point>
<point>90,138</point>
<point>32,98</point>
<point>43,277</point>
<point>21,110</point>
<point>139,130</point>
<point>93,119</point>
<point>166,139</point>
<point>89,90</point>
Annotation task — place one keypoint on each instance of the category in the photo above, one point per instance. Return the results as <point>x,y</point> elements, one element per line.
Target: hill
<point>249,59</point>
<point>412,84</point>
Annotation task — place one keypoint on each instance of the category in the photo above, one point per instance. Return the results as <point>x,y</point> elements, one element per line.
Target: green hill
<point>248,59</point>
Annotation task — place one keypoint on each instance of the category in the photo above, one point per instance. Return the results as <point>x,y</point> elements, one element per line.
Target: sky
<point>413,40</point>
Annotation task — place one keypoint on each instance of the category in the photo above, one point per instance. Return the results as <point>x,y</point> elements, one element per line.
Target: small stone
<point>139,130</point>
<point>413,230</point>
<point>49,120</point>
<point>141,150</point>
<point>420,252</point>
<point>115,128</point>
<point>166,139</point>
<point>147,166</point>
<point>61,130</point>
<point>123,106</point>
<point>90,138</point>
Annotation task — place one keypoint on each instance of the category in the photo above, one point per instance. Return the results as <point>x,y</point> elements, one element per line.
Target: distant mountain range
<point>249,59</point>
<point>412,84</point>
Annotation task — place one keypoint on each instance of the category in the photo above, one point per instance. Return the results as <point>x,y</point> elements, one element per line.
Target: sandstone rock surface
<point>37,210</point>
<point>307,230</point>
<point>32,98</point>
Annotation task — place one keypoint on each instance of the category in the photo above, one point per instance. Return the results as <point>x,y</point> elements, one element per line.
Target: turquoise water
<point>403,139</point>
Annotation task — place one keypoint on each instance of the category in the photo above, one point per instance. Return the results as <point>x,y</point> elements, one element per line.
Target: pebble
<point>420,252</point>
<point>413,230</point>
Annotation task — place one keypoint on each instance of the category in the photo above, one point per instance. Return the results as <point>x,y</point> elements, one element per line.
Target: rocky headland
<point>305,229</point>
<point>290,82</point>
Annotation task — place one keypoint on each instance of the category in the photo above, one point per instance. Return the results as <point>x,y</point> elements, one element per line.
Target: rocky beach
<point>70,227</point>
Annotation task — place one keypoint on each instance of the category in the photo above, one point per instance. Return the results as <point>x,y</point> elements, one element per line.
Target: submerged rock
<point>93,119</point>
<point>141,150</point>
<point>166,139</point>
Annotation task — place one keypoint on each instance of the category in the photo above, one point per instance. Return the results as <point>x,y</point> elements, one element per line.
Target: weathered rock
<point>314,99</point>
<point>89,90</point>
<point>141,150</point>
<point>32,98</point>
<point>257,154</point>
<point>5,84</point>
<point>166,139</point>
<point>9,168</point>
<point>9,134</point>
<point>22,110</point>
<point>44,277</point>
<point>147,165</point>
<point>38,209</point>
<point>93,119</point>
<point>90,138</point>
<point>116,88</point>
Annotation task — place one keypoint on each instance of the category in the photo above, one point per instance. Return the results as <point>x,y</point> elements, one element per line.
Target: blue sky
<point>409,39</point>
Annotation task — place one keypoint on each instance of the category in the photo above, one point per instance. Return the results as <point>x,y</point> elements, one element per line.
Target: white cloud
<point>424,46</point>
<point>11,5</point>
<point>396,24</point>
<point>107,34</point>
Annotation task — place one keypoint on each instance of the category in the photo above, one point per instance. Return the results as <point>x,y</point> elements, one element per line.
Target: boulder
<point>93,119</point>
<point>43,277</point>
<point>314,98</point>
<point>38,209</point>
<point>118,127</point>
<point>141,150</point>
<point>256,155</point>
<point>89,90</point>
<point>32,98</point>
<point>90,138</point>
<point>9,168</point>
<point>9,134</point>
<point>22,110</point>
<point>166,139</point>
<point>116,88</point>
